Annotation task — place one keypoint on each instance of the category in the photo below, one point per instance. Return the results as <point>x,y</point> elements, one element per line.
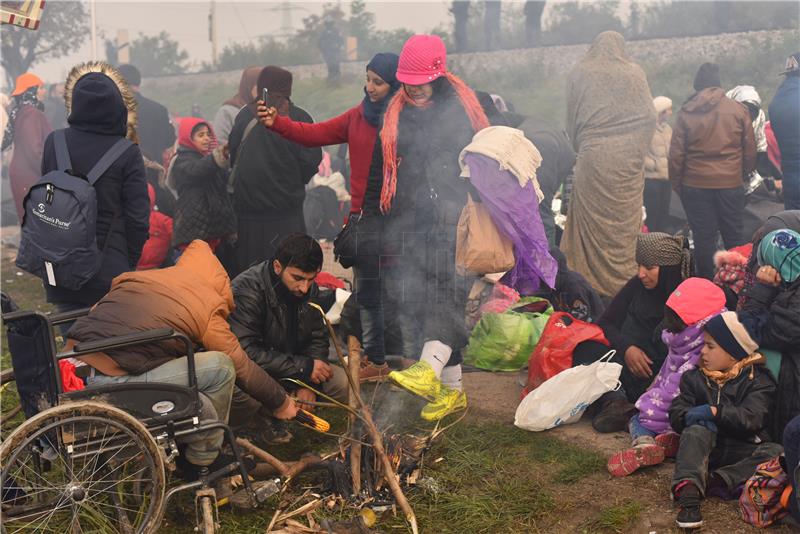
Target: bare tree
<point>63,29</point>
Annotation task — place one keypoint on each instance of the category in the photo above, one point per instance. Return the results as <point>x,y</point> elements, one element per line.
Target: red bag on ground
<point>553,353</point>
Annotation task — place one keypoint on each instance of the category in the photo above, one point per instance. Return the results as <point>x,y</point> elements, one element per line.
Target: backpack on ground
<point>59,225</point>
<point>765,497</point>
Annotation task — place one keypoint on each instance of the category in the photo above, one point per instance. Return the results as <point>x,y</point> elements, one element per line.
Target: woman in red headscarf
<point>414,186</point>
<point>198,176</point>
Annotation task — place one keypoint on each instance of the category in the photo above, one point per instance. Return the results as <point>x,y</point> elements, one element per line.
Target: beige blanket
<point>611,121</point>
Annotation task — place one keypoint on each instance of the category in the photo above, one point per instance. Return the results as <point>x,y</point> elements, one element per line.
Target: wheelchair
<point>97,459</point>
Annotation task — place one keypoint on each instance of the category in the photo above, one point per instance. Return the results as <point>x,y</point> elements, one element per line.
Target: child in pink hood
<point>687,310</point>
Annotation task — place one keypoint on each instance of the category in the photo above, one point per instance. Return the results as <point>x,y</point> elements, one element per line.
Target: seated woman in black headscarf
<point>632,324</point>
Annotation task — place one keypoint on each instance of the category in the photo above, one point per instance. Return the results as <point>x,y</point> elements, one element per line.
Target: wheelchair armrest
<point>139,338</point>
<point>65,317</point>
<point>116,342</point>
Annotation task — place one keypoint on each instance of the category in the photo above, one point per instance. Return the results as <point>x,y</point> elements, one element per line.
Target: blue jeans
<point>637,430</point>
<point>368,292</point>
<point>215,379</point>
<point>791,446</point>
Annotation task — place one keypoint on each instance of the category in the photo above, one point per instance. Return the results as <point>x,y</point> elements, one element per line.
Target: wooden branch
<point>308,507</point>
<point>354,361</point>
<point>7,376</point>
<point>11,413</point>
<point>288,470</point>
<point>372,430</point>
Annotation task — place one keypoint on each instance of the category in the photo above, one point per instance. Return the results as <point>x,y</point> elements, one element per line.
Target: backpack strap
<point>62,152</point>
<point>108,159</point>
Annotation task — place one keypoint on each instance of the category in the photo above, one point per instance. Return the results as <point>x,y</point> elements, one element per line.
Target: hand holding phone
<point>266,110</point>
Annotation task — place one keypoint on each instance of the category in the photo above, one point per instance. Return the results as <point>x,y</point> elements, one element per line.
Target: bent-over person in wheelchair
<point>193,297</point>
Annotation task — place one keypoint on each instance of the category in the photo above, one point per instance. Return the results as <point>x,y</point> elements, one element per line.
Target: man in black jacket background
<point>270,173</point>
<point>278,328</point>
<point>156,134</point>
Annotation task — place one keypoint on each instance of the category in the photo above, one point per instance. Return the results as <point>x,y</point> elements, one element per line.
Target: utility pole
<point>212,32</point>
<point>94,30</point>
<point>123,47</point>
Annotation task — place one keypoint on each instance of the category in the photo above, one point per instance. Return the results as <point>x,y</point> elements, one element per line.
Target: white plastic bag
<point>334,315</point>
<point>563,398</point>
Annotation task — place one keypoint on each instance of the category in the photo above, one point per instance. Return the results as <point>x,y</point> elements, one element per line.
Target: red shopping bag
<point>553,353</point>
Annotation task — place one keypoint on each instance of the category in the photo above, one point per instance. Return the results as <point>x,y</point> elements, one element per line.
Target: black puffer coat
<point>743,404</point>
<point>282,334</point>
<point>781,332</point>
<point>420,230</point>
<point>203,209</point>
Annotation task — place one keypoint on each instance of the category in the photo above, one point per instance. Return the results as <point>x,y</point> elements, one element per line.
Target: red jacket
<point>350,127</point>
<point>159,243</point>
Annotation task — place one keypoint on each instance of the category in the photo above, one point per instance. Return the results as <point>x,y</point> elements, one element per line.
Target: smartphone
<point>265,97</point>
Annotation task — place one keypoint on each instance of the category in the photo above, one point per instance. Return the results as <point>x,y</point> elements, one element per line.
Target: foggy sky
<point>187,22</point>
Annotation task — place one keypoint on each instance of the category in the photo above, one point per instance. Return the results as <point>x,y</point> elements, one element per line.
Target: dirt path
<point>495,396</point>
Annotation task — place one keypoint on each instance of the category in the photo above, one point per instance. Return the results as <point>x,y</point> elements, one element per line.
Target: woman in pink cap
<point>414,185</point>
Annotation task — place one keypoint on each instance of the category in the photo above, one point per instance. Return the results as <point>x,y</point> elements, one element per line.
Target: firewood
<point>354,361</point>
<point>372,430</point>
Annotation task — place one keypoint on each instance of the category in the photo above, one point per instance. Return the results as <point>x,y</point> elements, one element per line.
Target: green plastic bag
<point>505,341</point>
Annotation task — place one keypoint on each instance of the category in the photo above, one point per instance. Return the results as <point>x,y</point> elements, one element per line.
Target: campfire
<point>366,474</point>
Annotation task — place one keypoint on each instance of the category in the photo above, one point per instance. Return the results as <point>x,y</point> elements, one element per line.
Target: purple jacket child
<point>695,301</point>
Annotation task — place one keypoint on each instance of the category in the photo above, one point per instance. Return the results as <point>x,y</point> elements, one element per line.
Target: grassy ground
<point>491,478</point>
<point>481,476</point>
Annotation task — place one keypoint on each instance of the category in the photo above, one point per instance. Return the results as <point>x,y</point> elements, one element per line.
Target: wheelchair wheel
<point>81,467</point>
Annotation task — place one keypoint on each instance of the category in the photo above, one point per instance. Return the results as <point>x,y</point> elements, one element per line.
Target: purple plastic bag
<point>515,212</point>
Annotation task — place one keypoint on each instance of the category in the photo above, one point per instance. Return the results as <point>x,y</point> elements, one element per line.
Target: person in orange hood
<point>193,297</point>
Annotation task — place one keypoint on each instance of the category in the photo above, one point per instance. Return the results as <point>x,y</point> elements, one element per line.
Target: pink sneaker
<point>626,462</point>
<point>670,441</point>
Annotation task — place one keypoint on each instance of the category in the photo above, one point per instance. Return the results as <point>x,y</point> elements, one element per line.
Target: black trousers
<point>711,212</point>
<point>734,462</point>
<point>657,196</point>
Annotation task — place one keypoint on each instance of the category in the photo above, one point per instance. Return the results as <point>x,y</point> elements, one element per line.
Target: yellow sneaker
<point>420,379</point>
<point>448,401</point>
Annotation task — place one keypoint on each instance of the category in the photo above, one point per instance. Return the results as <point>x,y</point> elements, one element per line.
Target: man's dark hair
<point>131,74</point>
<point>300,251</point>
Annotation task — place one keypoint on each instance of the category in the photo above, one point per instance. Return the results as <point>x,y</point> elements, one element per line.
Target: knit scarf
<point>391,121</point>
<point>374,110</point>
<point>28,98</point>
<point>721,377</point>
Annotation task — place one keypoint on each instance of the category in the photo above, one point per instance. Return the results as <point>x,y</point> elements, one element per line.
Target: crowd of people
<point>201,228</point>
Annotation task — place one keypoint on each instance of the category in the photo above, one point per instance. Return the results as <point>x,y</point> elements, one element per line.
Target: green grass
<point>492,478</point>
<point>616,518</point>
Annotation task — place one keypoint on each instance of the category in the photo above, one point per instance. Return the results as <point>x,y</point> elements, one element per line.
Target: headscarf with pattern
<point>658,248</point>
<point>28,98</point>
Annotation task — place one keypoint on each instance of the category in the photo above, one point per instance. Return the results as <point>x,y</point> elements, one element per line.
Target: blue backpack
<point>59,235</point>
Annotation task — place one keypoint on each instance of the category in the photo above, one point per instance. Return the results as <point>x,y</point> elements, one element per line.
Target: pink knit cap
<point>695,299</point>
<point>423,59</point>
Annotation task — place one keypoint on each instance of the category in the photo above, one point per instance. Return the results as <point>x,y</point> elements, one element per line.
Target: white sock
<point>436,354</point>
<point>451,377</point>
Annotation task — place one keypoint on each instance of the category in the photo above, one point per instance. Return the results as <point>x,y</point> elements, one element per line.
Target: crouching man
<point>282,333</point>
<point>193,297</point>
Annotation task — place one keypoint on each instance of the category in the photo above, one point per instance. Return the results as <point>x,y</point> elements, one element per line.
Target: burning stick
<point>375,435</point>
<point>354,361</point>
